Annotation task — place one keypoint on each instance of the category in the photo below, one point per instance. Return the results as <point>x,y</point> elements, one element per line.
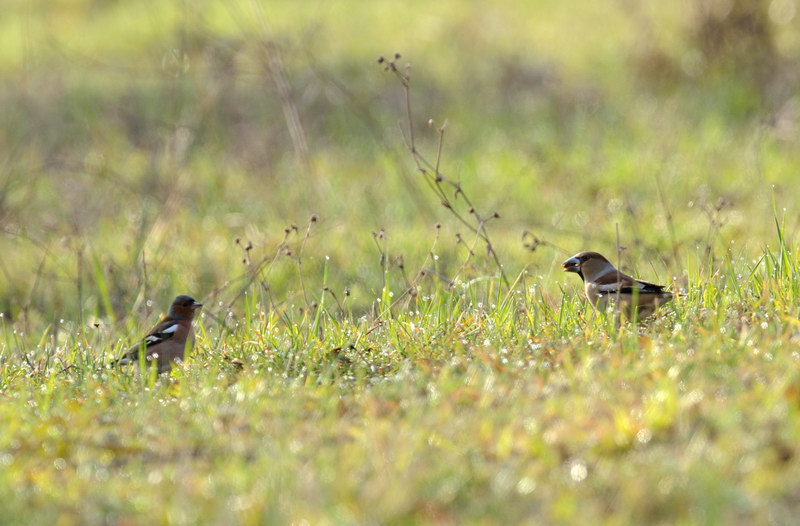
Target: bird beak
<point>196,305</point>
<point>571,265</point>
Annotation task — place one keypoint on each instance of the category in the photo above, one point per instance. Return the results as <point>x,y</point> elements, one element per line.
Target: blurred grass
<point>143,146</point>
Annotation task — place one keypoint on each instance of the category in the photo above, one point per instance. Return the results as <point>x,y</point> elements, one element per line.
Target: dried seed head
<point>314,218</point>
<point>438,226</point>
<point>237,240</point>
<point>347,291</point>
<point>397,56</point>
<point>381,60</point>
<point>496,215</point>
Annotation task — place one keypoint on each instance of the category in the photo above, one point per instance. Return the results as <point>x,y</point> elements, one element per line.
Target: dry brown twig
<point>433,175</point>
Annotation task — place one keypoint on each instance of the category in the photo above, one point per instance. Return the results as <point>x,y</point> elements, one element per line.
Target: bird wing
<point>160,333</point>
<point>615,282</point>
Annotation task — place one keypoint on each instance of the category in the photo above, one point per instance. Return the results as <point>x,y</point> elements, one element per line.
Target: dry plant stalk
<point>436,180</point>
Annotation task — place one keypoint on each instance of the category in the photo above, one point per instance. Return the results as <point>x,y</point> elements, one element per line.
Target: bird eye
<point>584,258</point>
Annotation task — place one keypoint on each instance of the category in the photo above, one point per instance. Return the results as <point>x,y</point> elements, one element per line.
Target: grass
<point>362,356</point>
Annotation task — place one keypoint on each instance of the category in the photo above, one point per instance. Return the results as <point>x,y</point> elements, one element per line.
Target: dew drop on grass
<point>578,470</point>
<point>644,436</point>
<point>695,397</point>
<point>526,486</point>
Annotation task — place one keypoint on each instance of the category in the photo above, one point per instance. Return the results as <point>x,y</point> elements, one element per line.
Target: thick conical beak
<point>196,305</point>
<point>571,265</point>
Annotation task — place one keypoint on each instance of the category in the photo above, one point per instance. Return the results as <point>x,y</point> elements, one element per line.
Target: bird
<point>603,284</point>
<point>166,342</point>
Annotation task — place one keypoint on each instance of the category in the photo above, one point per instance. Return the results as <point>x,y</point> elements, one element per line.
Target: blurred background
<point>140,140</point>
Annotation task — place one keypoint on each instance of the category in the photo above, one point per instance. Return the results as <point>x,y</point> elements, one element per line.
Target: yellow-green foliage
<point>361,357</point>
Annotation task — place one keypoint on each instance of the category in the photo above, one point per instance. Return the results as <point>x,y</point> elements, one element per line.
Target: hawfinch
<point>604,283</point>
<point>166,342</point>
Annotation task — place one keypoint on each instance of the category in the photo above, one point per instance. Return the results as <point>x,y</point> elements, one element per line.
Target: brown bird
<point>166,342</point>
<point>603,284</point>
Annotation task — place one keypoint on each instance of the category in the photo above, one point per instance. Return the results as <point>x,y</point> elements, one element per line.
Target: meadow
<point>373,201</point>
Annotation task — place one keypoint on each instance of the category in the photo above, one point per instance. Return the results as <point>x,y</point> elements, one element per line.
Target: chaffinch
<point>603,284</point>
<point>166,342</point>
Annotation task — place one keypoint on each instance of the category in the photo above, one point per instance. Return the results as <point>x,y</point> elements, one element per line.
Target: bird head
<point>587,265</point>
<point>183,308</point>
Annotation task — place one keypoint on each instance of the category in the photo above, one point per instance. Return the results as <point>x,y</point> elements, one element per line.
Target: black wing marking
<point>651,287</point>
<point>154,338</point>
<point>648,288</point>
